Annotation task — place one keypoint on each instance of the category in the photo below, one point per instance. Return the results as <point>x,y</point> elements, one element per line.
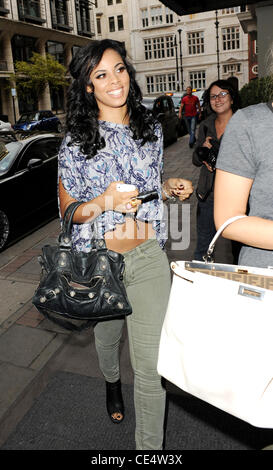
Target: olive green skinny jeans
<point>147,280</point>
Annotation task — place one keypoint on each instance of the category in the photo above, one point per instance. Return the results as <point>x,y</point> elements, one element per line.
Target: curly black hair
<point>82,109</point>
<point>225,85</point>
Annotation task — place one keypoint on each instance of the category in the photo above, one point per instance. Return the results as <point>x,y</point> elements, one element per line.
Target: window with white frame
<point>159,48</point>
<point>156,15</point>
<point>196,42</point>
<point>231,38</point>
<point>231,68</point>
<point>228,11</point>
<point>120,22</point>
<point>198,79</point>
<point>161,83</point>
<point>150,84</point>
<point>145,17</point>
<point>168,15</point>
<point>169,46</point>
<point>98,20</point>
<point>111,20</point>
<point>171,82</point>
<point>148,49</point>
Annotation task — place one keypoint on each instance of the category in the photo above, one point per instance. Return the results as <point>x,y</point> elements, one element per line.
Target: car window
<point>148,103</point>
<point>42,149</point>
<point>8,154</point>
<point>28,117</point>
<point>52,147</point>
<point>165,104</point>
<point>170,104</point>
<point>176,100</point>
<point>158,107</point>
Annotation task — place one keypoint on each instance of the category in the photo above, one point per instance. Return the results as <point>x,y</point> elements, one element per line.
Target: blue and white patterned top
<point>122,159</point>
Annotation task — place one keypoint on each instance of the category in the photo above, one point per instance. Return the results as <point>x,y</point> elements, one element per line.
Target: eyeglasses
<point>220,95</point>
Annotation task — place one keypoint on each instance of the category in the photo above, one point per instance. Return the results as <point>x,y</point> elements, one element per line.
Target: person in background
<point>192,110</point>
<point>243,183</point>
<point>113,139</point>
<point>223,101</point>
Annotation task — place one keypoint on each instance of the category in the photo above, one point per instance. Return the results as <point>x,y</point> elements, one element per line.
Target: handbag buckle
<point>65,241</point>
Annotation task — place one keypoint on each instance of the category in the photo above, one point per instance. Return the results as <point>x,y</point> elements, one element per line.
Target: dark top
<point>206,178</point>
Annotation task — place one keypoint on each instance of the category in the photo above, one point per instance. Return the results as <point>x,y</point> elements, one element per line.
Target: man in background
<point>191,105</point>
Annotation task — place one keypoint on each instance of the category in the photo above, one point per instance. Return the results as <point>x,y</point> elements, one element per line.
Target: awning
<point>186,7</point>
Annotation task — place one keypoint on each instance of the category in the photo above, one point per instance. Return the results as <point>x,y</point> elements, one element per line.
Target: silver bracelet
<point>171,198</point>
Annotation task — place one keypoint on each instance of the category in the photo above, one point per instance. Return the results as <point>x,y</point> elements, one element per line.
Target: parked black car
<point>28,183</point>
<point>163,109</point>
<point>38,121</point>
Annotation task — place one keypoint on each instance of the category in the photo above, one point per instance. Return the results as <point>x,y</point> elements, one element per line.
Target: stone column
<point>44,101</point>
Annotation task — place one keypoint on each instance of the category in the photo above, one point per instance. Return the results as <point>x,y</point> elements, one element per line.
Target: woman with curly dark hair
<point>112,139</point>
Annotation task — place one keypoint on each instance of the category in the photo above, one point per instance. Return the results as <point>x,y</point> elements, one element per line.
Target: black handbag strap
<point>68,216</point>
<point>65,235</point>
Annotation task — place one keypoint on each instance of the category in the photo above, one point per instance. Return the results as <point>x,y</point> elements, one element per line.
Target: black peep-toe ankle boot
<point>114,401</point>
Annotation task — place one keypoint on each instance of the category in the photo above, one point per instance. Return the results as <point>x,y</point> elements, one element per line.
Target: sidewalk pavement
<point>31,347</point>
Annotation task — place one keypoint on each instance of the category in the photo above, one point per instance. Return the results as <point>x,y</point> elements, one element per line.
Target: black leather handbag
<point>78,289</point>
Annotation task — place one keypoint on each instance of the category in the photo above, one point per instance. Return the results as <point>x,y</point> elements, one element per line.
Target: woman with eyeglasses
<point>223,101</point>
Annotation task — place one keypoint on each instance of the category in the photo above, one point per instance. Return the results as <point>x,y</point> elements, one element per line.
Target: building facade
<point>58,27</point>
<point>171,52</point>
<point>113,21</point>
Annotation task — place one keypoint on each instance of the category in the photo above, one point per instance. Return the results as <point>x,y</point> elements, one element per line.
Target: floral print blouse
<point>122,159</point>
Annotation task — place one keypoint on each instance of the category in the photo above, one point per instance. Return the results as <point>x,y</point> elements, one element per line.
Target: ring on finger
<point>133,202</point>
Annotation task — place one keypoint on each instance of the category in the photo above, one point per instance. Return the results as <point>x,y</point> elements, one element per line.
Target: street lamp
<point>181,67</point>
<point>217,44</point>
<point>176,61</point>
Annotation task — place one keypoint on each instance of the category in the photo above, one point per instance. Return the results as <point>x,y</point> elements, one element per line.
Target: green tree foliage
<point>33,76</point>
<point>257,91</point>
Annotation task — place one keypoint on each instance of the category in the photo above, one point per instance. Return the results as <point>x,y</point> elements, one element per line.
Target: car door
<point>37,173</point>
<point>172,118</point>
<point>159,111</point>
<point>51,149</point>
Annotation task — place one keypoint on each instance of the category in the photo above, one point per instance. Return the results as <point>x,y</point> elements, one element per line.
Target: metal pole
<point>181,67</point>
<point>217,44</point>
<point>14,112</point>
<point>176,61</point>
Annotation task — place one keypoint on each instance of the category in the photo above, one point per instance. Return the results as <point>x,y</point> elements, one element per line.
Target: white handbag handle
<point>218,233</point>
<point>208,257</point>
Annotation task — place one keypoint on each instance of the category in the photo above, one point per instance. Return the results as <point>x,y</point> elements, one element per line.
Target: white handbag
<point>217,337</point>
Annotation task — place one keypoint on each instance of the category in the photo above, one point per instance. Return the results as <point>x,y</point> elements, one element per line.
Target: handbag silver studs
<point>103,262</point>
<point>120,305</point>
<point>42,299</point>
<point>72,293</point>
<point>91,295</point>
